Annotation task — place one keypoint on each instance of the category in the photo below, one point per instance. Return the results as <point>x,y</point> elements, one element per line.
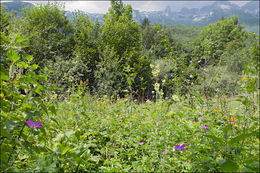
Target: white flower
<point>175,98</point>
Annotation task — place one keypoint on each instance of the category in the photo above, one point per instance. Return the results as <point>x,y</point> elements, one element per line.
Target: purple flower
<point>232,122</point>
<point>177,147</point>
<point>93,136</point>
<point>34,125</point>
<point>141,143</point>
<point>156,128</point>
<point>205,127</point>
<point>158,122</point>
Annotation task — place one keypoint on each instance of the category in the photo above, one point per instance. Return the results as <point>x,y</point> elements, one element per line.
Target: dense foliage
<point>79,96</point>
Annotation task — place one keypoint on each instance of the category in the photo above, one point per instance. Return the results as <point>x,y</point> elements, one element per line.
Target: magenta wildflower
<point>156,128</point>
<point>141,143</point>
<point>177,147</point>
<point>93,136</point>
<point>34,125</point>
<point>205,127</point>
<point>158,122</point>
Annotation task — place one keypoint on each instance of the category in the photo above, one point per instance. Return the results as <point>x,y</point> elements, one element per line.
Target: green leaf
<point>216,139</point>
<point>34,66</point>
<point>20,39</point>
<point>228,165</point>
<point>10,125</point>
<point>53,109</point>
<point>242,137</point>
<point>23,64</point>
<point>12,55</point>
<point>28,57</point>
<point>65,150</point>
<point>4,76</point>
<point>23,46</point>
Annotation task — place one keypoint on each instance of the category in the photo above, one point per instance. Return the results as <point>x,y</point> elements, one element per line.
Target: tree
<point>86,50</point>
<point>145,23</point>
<point>215,38</point>
<point>49,30</point>
<point>121,40</point>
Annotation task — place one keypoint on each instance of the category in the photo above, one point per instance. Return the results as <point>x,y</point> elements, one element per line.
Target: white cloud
<point>239,3</point>
<point>88,6</point>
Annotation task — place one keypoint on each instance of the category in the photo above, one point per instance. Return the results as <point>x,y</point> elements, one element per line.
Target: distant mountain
<point>16,6</point>
<point>248,14</point>
<point>252,8</point>
<point>206,15</point>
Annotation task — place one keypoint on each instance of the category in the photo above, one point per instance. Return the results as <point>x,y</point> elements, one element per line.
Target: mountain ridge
<point>248,14</point>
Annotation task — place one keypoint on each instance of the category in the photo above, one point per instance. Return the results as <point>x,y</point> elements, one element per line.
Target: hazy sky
<point>102,6</point>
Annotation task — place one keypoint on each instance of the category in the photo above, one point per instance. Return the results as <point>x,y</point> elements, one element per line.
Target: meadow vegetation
<point>121,96</point>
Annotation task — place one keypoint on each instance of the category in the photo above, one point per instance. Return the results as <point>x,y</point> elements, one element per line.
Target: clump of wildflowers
<point>141,143</point>
<point>232,121</point>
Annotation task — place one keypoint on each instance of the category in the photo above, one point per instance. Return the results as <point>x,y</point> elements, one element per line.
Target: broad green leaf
<point>228,165</point>
<point>10,125</point>
<point>23,64</point>
<point>29,58</point>
<point>12,55</point>
<point>53,109</point>
<point>242,137</point>
<point>20,39</point>
<point>216,139</point>
<point>5,39</point>
<point>23,46</point>
<point>4,76</point>
<point>65,150</point>
<point>34,66</point>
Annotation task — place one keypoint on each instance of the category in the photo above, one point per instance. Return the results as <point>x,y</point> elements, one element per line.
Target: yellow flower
<point>134,116</point>
<point>215,110</point>
<point>234,125</point>
<point>204,110</point>
<point>5,100</point>
<point>1,95</point>
<point>244,78</point>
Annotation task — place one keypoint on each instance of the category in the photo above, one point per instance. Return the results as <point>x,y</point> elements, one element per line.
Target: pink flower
<point>205,127</point>
<point>93,136</point>
<point>34,125</point>
<point>156,128</point>
<point>141,143</point>
<point>158,122</point>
